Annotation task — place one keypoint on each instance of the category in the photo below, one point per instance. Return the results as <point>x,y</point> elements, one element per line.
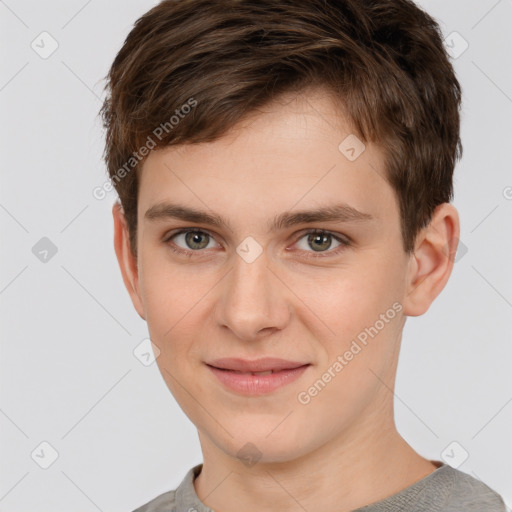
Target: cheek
<point>169,291</point>
<point>364,314</point>
<point>344,301</point>
<point>174,310</point>
<point>357,330</point>
<point>177,302</point>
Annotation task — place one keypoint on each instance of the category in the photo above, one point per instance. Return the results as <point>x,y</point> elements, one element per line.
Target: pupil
<point>194,238</point>
<point>322,239</point>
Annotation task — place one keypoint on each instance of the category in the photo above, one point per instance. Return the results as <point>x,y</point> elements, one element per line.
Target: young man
<point>284,169</point>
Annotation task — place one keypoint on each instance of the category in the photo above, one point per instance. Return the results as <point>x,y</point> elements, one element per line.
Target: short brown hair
<point>383,59</point>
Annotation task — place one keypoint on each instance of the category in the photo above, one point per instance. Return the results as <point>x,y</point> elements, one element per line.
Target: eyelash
<point>190,253</point>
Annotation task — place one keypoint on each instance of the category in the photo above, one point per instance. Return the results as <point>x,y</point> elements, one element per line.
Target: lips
<point>267,372</point>
<point>263,366</point>
<point>258,377</point>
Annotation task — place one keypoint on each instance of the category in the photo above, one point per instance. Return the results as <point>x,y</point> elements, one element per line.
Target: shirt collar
<point>186,496</point>
<point>187,500</point>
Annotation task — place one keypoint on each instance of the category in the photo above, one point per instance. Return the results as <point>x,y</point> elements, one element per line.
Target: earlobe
<point>432,261</point>
<point>126,259</point>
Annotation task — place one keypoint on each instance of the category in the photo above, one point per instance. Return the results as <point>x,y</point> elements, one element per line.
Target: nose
<point>253,301</point>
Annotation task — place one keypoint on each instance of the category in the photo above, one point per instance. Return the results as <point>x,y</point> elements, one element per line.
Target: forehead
<point>297,152</point>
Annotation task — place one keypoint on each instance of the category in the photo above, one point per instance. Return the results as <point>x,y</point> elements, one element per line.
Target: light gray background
<point>68,373</point>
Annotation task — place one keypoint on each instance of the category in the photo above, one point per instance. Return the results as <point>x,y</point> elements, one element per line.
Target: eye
<point>193,240</point>
<point>321,241</point>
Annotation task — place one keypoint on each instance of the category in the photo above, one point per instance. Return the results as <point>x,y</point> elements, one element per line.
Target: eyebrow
<point>338,212</point>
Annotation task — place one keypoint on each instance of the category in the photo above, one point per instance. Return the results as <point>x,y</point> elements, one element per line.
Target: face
<point>251,287</point>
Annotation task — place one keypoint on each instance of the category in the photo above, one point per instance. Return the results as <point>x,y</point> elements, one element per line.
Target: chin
<point>258,448</point>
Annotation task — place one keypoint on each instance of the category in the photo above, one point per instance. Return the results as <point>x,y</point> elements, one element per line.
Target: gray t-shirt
<point>444,490</point>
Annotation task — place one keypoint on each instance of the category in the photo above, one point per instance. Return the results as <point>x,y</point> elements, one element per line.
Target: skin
<point>341,450</point>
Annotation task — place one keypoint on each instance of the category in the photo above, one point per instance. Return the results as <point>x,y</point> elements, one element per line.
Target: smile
<point>257,383</point>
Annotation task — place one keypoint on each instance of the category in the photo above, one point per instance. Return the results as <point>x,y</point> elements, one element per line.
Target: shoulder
<point>444,490</point>
<point>163,503</point>
<point>467,493</point>
<point>182,498</point>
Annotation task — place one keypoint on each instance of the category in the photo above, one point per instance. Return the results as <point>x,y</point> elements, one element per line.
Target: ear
<point>431,263</point>
<point>126,259</point>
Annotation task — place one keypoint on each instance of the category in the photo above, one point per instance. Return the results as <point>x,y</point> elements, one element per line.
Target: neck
<point>350,471</point>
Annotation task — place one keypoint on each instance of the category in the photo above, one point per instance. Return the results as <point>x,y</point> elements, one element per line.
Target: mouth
<point>267,372</point>
<point>263,366</point>
<point>256,380</point>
